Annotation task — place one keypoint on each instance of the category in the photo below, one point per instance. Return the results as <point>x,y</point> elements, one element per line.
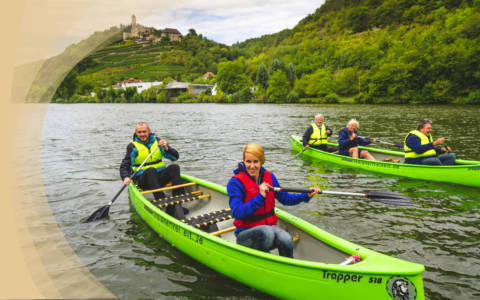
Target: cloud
<point>233,21</point>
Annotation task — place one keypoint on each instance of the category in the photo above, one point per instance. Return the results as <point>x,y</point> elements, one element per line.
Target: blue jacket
<point>344,142</point>
<point>414,143</point>
<point>236,193</point>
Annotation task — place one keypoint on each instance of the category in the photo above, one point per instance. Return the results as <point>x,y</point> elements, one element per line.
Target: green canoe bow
<point>315,273</point>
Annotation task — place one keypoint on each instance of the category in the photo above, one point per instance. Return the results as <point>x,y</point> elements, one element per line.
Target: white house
<point>139,84</point>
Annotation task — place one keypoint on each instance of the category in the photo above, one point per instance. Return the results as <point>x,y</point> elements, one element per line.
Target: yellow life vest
<point>318,137</point>
<point>409,153</point>
<point>155,161</point>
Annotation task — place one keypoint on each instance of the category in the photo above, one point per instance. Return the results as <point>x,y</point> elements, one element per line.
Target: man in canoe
<point>316,135</point>
<point>420,148</point>
<point>153,174</point>
<point>253,204</point>
<point>349,139</point>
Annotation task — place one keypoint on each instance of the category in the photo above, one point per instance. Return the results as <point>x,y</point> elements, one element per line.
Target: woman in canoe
<point>253,204</point>
<point>349,139</point>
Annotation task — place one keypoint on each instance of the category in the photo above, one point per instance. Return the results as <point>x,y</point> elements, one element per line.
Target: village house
<point>139,84</point>
<point>175,87</point>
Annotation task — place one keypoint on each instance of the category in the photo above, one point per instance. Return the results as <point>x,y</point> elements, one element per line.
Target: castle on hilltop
<point>138,31</point>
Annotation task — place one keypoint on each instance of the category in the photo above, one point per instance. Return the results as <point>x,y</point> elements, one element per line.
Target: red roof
<point>172,30</point>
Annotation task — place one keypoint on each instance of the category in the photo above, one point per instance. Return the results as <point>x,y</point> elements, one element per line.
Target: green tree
<point>346,81</point>
<point>278,87</point>
<point>129,92</point>
<point>262,76</point>
<point>68,86</point>
<point>320,84</point>
<point>231,76</point>
<point>277,65</point>
<point>291,74</point>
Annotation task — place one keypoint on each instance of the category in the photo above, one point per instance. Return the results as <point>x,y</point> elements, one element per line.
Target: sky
<point>229,22</point>
<point>63,23</point>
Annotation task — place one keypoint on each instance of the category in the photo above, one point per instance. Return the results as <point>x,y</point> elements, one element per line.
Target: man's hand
<point>127,180</point>
<point>439,141</point>
<point>373,140</point>
<point>163,143</point>
<point>446,149</point>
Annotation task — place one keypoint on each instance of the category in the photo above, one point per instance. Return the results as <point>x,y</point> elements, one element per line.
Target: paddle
<point>400,146</point>
<point>385,197</point>
<point>305,148</point>
<point>102,212</point>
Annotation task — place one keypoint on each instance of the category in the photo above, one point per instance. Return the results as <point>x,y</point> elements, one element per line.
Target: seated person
<point>153,174</point>
<point>316,135</point>
<point>420,149</point>
<point>349,139</point>
<point>253,204</point>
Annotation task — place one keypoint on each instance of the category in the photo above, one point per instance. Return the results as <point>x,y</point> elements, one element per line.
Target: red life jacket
<point>265,214</point>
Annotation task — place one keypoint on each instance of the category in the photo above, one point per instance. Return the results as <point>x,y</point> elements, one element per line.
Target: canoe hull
<point>284,277</point>
<point>464,174</point>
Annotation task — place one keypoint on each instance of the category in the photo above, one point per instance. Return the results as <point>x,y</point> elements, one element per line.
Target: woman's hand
<point>354,135</point>
<point>264,189</point>
<point>314,192</point>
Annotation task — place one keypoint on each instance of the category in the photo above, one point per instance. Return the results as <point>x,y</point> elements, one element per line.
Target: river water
<point>83,144</point>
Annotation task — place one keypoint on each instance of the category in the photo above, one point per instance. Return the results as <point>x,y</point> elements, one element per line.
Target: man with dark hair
<point>153,174</point>
<point>420,148</point>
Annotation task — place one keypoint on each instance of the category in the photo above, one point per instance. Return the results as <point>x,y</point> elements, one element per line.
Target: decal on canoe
<point>172,226</point>
<point>375,164</point>
<point>474,168</point>
<point>341,277</point>
<point>401,288</point>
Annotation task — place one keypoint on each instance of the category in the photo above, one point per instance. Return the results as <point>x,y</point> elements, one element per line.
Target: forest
<point>362,51</point>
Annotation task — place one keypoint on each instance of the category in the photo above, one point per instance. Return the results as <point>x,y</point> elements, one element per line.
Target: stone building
<point>138,31</point>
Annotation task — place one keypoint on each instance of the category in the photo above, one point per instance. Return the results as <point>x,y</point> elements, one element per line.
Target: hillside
<point>393,51</point>
<point>370,51</point>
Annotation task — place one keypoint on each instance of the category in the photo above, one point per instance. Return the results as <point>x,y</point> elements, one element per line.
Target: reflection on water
<point>82,146</point>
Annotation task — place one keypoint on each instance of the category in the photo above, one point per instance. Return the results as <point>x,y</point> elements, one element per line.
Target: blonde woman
<point>253,204</point>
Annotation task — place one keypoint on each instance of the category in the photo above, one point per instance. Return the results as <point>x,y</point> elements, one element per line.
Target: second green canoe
<point>466,172</point>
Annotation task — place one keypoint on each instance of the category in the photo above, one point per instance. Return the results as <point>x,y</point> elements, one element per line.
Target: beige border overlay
<point>36,260</point>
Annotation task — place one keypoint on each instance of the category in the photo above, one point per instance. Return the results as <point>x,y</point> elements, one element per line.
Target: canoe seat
<point>208,222</point>
<point>391,160</point>
<point>179,199</point>
<point>173,204</point>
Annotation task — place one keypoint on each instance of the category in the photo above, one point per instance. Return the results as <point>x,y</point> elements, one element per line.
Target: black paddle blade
<point>100,213</point>
<point>391,198</point>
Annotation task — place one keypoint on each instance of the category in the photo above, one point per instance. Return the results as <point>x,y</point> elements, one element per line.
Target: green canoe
<point>318,271</point>
<point>466,172</point>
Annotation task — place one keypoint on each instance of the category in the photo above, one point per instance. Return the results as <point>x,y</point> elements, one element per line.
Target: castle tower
<point>134,30</point>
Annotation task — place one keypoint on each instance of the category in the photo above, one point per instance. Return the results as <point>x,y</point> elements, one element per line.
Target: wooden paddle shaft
<point>172,187</point>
